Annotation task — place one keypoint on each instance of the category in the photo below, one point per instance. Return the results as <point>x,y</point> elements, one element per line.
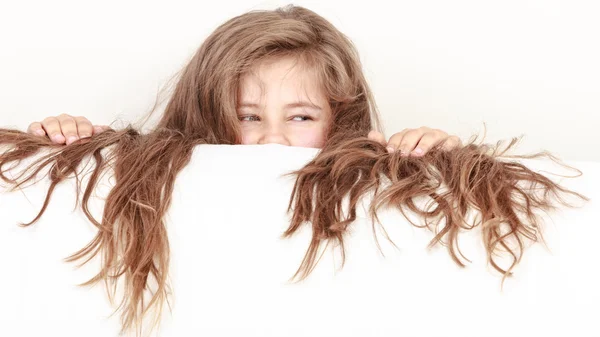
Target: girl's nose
<point>274,135</point>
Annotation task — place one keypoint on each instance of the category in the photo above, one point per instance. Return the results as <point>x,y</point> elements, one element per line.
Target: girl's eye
<point>249,118</point>
<point>302,118</point>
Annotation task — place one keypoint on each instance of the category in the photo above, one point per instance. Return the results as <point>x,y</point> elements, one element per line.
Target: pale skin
<point>279,103</point>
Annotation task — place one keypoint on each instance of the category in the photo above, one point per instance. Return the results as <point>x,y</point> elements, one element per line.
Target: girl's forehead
<point>284,72</point>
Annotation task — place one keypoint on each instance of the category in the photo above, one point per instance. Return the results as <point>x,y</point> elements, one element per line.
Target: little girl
<point>286,76</point>
<point>281,99</point>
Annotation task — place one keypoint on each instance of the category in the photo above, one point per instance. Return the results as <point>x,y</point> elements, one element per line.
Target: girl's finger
<point>377,137</point>
<point>68,126</point>
<point>36,128</point>
<point>452,142</point>
<point>100,128</point>
<point>429,140</point>
<point>409,142</point>
<point>395,140</point>
<point>84,127</point>
<point>52,127</point>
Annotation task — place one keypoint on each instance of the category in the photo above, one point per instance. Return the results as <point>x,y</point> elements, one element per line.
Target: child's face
<point>283,104</point>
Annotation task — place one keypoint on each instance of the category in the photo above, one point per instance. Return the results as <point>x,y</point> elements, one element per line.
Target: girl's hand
<point>65,128</point>
<point>416,142</point>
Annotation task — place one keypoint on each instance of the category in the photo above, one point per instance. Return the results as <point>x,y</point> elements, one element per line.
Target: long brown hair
<point>132,238</point>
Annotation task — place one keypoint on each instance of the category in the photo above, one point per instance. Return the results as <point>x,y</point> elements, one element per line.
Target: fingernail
<point>58,138</point>
<point>390,149</point>
<point>71,139</point>
<point>97,129</point>
<point>418,151</point>
<point>41,132</point>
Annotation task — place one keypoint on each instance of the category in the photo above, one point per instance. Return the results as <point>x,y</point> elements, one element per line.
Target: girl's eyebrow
<point>298,104</point>
<point>302,104</point>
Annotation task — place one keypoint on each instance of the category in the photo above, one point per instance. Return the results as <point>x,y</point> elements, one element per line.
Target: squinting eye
<point>302,118</point>
<point>250,118</point>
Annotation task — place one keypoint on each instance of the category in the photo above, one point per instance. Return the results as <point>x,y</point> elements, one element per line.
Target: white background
<point>229,265</point>
<point>523,67</point>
